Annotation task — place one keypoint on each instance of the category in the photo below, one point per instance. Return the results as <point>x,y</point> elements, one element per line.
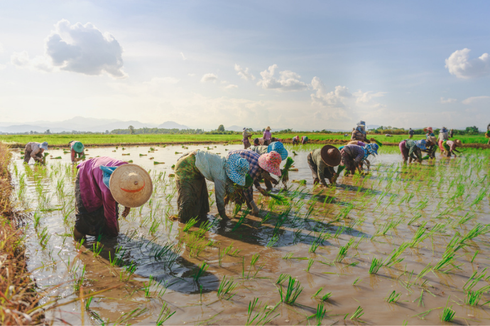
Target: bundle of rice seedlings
<point>155,162</point>
<point>285,172</point>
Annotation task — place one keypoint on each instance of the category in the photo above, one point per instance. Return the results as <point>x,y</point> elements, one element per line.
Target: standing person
<point>322,162</point>
<point>76,149</point>
<point>351,158</point>
<point>451,133</point>
<point>191,172</point>
<point>487,134</point>
<point>359,133</point>
<point>246,138</point>
<point>410,133</point>
<point>450,147</point>
<point>411,149</point>
<point>304,140</point>
<point>267,136</point>
<point>295,140</point>
<point>101,184</point>
<point>35,151</point>
<point>261,166</point>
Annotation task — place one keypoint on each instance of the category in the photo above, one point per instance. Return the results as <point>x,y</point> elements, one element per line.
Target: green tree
<point>221,128</point>
<point>131,130</point>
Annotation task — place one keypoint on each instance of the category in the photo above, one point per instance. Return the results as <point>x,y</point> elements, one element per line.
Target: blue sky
<point>287,64</point>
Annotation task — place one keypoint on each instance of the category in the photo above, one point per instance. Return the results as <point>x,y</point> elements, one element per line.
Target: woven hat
<point>130,185</point>
<point>44,145</point>
<point>458,142</point>
<point>236,168</point>
<point>330,155</point>
<point>277,146</point>
<point>78,147</point>
<point>268,128</point>
<point>421,144</point>
<point>271,162</point>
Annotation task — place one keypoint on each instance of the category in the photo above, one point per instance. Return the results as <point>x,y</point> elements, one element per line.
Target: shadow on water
<point>163,262</point>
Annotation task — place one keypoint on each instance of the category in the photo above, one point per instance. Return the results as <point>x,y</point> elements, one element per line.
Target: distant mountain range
<point>84,124</point>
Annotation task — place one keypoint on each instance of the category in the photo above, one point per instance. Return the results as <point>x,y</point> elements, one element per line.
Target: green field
<point>61,139</point>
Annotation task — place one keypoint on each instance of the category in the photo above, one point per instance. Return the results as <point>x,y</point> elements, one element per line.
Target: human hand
<point>126,211</point>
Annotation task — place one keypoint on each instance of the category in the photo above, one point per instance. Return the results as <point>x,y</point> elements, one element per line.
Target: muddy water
<point>435,196</point>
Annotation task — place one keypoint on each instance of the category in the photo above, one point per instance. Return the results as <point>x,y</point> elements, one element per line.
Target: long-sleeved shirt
<point>73,153</point>
<point>413,149</point>
<point>212,167</point>
<point>254,170</point>
<point>451,144</point>
<point>355,152</point>
<point>95,193</point>
<point>316,157</point>
<point>35,149</point>
<point>267,135</point>
<point>261,149</point>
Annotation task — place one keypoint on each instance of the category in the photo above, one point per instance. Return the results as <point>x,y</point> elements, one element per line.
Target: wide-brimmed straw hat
<point>330,155</point>
<point>458,142</point>
<point>78,147</point>
<point>130,185</point>
<point>277,146</point>
<point>268,128</point>
<point>271,162</point>
<point>236,168</point>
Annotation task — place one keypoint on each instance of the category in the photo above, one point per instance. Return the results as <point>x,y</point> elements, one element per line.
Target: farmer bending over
<point>35,151</point>
<point>431,146</point>
<point>322,162</point>
<point>295,140</point>
<point>450,147</point>
<point>76,149</point>
<point>412,149</point>
<point>102,183</point>
<point>352,156</point>
<point>191,172</point>
<point>260,166</point>
<point>273,147</point>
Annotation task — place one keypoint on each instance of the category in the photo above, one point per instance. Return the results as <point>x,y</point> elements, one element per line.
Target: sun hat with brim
<point>130,185</point>
<point>421,144</point>
<point>236,168</point>
<point>277,146</point>
<point>44,145</point>
<point>372,148</point>
<point>330,155</point>
<point>458,142</point>
<point>268,128</point>
<point>78,147</point>
<point>271,162</point>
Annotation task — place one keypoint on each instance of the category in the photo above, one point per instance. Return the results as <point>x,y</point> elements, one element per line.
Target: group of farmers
<point>103,182</point>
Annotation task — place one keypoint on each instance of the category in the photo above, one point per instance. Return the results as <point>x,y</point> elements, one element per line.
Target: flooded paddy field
<point>404,244</point>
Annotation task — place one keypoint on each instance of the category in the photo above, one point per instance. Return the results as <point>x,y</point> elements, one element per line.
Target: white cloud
<point>461,66</point>
<point>287,81</point>
<point>183,56</point>
<point>2,67</point>
<point>191,75</point>
<point>475,99</point>
<point>243,73</point>
<point>209,78</point>
<point>22,60</point>
<point>163,80</point>
<point>231,86</point>
<point>340,103</point>
<point>448,100</point>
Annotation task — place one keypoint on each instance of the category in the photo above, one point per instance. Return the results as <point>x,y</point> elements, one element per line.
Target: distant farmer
<point>246,138</point>
<point>451,133</point>
<point>487,134</point>
<point>267,136</point>
<point>101,184</point>
<point>304,140</point>
<point>429,132</point>
<point>191,172</point>
<point>76,149</point>
<point>351,159</point>
<point>410,133</point>
<point>295,140</point>
<point>443,136</point>
<point>411,150</point>
<point>359,133</point>
<point>450,147</point>
<point>260,167</point>
<point>35,151</point>
<point>322,162</point>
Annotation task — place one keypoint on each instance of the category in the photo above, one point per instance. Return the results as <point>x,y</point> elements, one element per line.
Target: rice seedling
<point>357,314</point>
<point>263,316</point>
<point>356,281</point>
<point>310,263</point>
<point>226,287</point>
<point>164,315</point>
<point>395,254</point>
<point>393,297</point>
<point>190,224</point>
<point>448,313</point>
<point>282,278</point>
<point>292,291</point>
<point>200,272</point>
<point>319,314</point>
<point>125,317</point>
<point>272,241</point>
<point>97,248</point>
<point>44,237</point>
<point>376,264</point>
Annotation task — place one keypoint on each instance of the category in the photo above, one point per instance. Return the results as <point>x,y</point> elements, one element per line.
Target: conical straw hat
<point>131,185</point>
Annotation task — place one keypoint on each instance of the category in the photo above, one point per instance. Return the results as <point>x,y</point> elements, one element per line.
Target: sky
<point>305,65</point>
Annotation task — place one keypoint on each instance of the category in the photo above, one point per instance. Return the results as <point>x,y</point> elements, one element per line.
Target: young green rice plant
<point>263,316</point>
<point>37,218</point>
<point>343,252</point>
<point>474,279</point>
<point>393,297</point>
<point>419,236</point>
<point>358,313</point>
<point>127,316</point>
<point>190,224</point>
<point>376,264</point>
<point>423,272</point>
<point>310,263</point>
<point>473,297</point>
<point>291,293</point>
<point>78,281</point>
<point>323,297</point>
<point>44,238</point>
<point>200,272</point>
<point>164,315</point>
<point>282,278</point>
<point>273,240</point>
<point>226,288</point>
<point>319,314</point>
<point>97,248</point>
<point>448,313</point>
<point>395,254</point>
<point>147,287</point>
<point>356,281</point>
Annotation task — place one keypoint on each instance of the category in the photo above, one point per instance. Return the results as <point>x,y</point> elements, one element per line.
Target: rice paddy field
<point>401,245</point>
<point>64,139</point>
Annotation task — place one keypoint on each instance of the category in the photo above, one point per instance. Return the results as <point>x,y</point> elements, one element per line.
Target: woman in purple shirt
<point>102,183</point>
<point>267,136</point>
